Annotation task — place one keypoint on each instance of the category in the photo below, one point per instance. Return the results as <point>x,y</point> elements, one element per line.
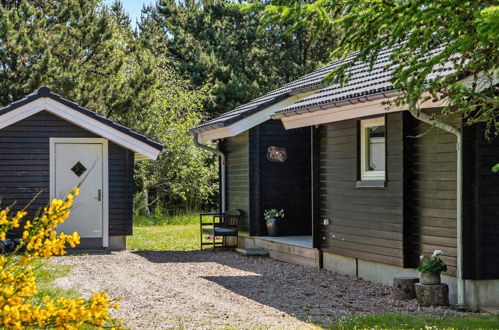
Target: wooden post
<point>403,288</point>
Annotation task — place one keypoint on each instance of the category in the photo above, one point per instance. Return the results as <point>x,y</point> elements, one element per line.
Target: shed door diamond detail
<point>78,169</point>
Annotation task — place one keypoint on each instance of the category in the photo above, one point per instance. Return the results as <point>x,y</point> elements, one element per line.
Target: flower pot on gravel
<point>429,278</point>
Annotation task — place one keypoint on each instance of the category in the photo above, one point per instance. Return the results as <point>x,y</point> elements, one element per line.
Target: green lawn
<point>397,321</point>
<point>46,273</point>
<point>165,232</point>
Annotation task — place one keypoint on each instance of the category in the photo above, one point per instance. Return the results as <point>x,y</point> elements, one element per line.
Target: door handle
<point>99,194</point>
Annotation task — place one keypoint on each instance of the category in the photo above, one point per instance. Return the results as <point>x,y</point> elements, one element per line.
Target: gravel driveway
<point>194,289</point>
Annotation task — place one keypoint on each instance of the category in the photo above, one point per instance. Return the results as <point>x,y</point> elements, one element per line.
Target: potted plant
<point>273,218</point>
<point>431,268</point>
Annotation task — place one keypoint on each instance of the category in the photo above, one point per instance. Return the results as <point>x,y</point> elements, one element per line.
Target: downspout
<point>222,168</point>
<point>459,188</point>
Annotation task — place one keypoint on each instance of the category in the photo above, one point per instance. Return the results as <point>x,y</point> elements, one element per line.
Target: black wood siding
<point>365,223</point>
<point>255,184</point>
<point>488,208</point>
<point>285,185</point>
<point>121,166</point>
<point>432,164</point>
<point>481,201</point>
<point>236,150</point>
<point>24,167</point>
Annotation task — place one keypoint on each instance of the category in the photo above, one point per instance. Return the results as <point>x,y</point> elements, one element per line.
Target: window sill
<point>370,184</point>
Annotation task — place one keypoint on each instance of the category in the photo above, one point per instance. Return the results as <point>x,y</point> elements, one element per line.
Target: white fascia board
<point>250,121</point>
<point>60,110</point>
<point>214,134</point>
<point>352,111</point>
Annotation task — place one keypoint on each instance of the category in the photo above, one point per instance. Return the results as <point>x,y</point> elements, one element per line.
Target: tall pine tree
<point>88,53</point>
<point>218,44</point>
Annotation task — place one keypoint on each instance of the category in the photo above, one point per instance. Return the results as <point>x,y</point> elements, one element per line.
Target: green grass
<point>161,219</point>
<point>46,273</point>
<point>167,237</point>
<point>165,232</point>
<point>398,321</point>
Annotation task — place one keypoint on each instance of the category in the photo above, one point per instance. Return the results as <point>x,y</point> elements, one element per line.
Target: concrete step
<point>489,310</point>
<point>253,252</point>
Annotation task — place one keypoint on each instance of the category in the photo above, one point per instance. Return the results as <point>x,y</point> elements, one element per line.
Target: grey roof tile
<point>364,80</point>
<point>363,83</point>
<point>311,81</point>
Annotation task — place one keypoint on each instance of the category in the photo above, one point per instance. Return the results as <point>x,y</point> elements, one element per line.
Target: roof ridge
<point>45,92</point>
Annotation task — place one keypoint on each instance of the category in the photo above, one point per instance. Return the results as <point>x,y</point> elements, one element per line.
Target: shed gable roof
<point>44,100</point>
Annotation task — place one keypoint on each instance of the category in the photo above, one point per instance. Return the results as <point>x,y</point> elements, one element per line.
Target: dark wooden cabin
<point>49,145</point>
<point>383,184</point>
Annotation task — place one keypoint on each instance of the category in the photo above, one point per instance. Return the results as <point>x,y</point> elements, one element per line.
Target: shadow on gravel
<point>227,258</point>
<point>311,295</point>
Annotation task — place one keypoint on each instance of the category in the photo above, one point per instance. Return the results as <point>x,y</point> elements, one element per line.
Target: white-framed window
<point>372,149</point>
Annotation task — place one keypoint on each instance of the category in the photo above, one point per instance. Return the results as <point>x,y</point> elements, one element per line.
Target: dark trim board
<point>317,221</point>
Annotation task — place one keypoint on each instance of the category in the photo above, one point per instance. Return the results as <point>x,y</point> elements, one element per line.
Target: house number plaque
<point>275,154</point>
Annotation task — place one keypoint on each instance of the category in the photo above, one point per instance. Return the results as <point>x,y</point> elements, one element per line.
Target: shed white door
<point>73,163</point>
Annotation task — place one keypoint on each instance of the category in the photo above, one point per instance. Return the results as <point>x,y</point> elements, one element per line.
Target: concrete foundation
<point>282,251</point>
<point>478,293</point>
<point>117,243</point>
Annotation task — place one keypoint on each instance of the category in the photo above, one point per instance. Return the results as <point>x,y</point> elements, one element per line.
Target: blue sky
<point>134,7</point>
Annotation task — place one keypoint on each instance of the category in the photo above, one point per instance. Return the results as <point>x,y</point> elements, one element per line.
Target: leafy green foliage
<point>87,52</point>
<point>429,36</point>
<point>218,45</point>
<point>433,265</point>
<point>273,213</point>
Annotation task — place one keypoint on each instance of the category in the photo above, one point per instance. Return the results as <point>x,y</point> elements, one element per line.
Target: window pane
<point>376,148</point>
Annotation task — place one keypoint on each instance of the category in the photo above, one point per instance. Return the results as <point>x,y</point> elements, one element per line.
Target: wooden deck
<point>292,249</point>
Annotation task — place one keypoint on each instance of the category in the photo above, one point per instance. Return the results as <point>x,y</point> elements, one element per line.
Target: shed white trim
<point>250,121</point>
<point>81,120</point>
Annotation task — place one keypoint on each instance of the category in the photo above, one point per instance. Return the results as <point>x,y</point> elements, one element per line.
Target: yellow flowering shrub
<point>18,308</point>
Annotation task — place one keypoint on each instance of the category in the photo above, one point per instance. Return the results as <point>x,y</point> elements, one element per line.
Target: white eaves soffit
<point>142,150</point>
<point>349,111</point>
<point>250,121</point>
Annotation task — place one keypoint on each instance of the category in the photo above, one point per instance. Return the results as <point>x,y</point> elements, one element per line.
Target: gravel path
<point>194,289</point>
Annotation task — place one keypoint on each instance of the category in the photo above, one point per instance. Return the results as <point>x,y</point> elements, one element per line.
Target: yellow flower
<point>18,283</point>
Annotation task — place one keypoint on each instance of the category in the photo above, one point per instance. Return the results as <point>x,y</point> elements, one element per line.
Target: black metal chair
<point>223,225</point>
